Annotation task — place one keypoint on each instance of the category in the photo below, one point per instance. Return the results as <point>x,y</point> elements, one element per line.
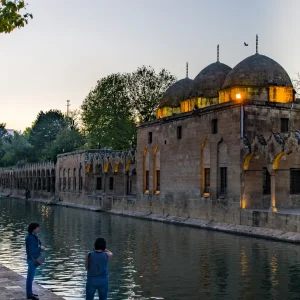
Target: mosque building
<point>230,136</point>
<point>226,142</point>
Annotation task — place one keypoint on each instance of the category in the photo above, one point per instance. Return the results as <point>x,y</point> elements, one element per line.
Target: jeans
<point>99,284</point>
<point>30,277</point>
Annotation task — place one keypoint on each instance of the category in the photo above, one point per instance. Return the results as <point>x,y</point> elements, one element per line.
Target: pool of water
<point>151,260</point>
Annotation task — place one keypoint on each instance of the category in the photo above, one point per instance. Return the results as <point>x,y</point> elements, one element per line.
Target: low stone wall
<point>198,213</point>
<point>214,212</point>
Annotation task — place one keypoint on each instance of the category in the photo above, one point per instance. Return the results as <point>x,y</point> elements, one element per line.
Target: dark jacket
<point>33,246</point>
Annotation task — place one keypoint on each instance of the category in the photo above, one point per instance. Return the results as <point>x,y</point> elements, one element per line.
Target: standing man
<point>34,257</point>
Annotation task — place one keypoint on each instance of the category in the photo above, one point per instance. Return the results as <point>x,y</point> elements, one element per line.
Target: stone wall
<point>182,161</point>
<point>95,177</point>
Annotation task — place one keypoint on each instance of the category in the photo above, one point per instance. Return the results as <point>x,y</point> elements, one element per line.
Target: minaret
<point>218,53</point>
<point>256,44</point>
<point>187,69</point>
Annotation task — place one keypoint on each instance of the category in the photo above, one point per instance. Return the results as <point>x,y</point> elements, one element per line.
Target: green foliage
<point>45,129</point>
<point>16,149</point>
<point>145,89</point>
<point>106,114</point>
<point>3,137</point>
<point>111,109</point>
<point>67,140</point>
<point>11,16</point>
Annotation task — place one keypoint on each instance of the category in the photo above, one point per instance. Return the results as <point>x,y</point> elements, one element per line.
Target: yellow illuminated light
<point>238,96</point>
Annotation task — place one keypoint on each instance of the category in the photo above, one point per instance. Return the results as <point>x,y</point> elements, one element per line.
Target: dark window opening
<point>284,124</point>
<point>130,186</point>
<point>80,183</point>
<point>150,137</point>
<point>147,181</point>
<point>158,180</point>
<point>179,132</point>
<point>111,183</point>
<point>206,180</point>
<point>266,182</point>
<point>295,181</point>
<point>223,189</point>
<point>214,124</point>
<point>99,184</point>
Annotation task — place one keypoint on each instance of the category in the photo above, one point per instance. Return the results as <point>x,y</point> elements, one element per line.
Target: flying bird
<point>246,44</point>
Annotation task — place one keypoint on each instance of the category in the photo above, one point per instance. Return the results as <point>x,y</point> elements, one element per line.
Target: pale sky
<point>70,44</point>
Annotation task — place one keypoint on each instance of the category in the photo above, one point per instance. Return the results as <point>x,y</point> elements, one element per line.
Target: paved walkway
<point>12,287</point>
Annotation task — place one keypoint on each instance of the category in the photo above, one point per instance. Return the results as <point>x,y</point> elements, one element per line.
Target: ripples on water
<point>151,260</point>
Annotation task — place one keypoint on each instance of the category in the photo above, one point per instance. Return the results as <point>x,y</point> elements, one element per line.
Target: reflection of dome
<point>209,81</point>
<point>257,70</point>
<point>175,93</point>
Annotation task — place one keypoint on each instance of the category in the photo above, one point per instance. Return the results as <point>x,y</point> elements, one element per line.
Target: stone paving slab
<point>13,287</point>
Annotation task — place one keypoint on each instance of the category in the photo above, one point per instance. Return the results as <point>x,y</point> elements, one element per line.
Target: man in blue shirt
<point>33,251</point>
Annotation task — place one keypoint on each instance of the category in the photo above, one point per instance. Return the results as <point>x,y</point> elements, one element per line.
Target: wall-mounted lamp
<point>238,96</point>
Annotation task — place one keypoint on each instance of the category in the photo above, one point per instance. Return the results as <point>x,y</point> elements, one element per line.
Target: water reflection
<point>152,260</point>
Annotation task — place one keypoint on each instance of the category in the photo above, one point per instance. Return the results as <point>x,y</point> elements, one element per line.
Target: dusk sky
<point>70,44</point>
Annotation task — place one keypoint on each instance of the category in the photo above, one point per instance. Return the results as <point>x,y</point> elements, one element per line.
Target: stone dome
<point>175,93</point>
<point>257,70</point>
<point>209,81</point>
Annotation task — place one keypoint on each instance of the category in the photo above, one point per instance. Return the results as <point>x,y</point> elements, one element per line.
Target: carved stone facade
<point>92,177</point>
<point>242,154</point>
<point>96,177</point>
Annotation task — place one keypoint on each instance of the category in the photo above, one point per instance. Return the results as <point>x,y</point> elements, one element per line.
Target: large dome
<point>175,93</point>
<point>257,70</point>
<point>209,81</point>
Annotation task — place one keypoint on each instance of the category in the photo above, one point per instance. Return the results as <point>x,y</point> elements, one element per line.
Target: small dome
<point>257,70</point>
<point>209,81</point>
<point>175,93</point>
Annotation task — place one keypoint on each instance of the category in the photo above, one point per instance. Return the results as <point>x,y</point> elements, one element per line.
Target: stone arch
<point>286,172</point>
<point>222,169</point>
<point>156,169</point>
<point>146,170</point>
<point>74,179</point>
<point>64,179</point>
<point>205,168</point>
<point>256,183</point>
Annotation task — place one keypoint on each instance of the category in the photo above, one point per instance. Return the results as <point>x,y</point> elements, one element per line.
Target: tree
<point>67,140</point>
<point>3,137</point>
<point>16,149</point>
<point>11,16</point>
<point>296,84</point>
<point>145,89</point>
<point>45,130</point>
<point>106,114</point>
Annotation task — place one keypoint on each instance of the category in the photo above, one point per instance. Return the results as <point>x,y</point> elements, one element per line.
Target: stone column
<point>273,193</point>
